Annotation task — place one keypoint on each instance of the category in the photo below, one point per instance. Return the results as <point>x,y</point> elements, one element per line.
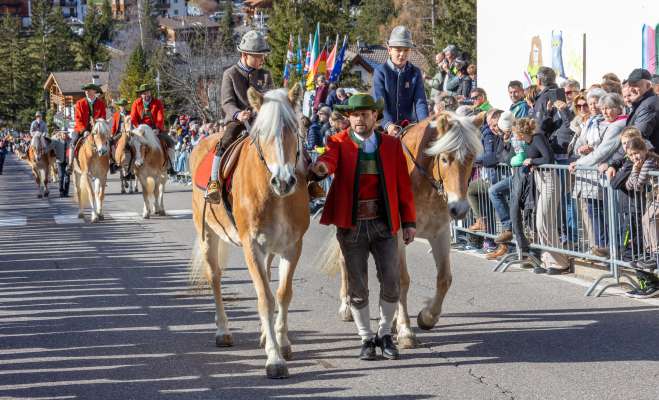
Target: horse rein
<point>437,184</point>
<point>259,151</point>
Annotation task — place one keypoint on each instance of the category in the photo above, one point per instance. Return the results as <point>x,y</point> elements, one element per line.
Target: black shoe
<point>388,347</point>
<point>539,270</point>
<point>113,168</point>
<point>171,171</point>
<point>557,271</point>
<point>368,350</point>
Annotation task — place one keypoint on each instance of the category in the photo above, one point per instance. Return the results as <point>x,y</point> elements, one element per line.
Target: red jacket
<point>157,112</point>
<point>341,158</point>
<point>116,117</point>
<point>81,113</point>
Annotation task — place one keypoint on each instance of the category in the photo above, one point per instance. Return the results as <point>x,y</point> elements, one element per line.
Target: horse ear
<point>441,123</point>
<point>295,94</point>
<point>478,119</point>
<point>254,98</point>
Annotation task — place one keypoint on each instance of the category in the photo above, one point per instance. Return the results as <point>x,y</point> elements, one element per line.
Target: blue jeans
<point>596,212</point>
<point>499,193</point>
<point>568,226</point>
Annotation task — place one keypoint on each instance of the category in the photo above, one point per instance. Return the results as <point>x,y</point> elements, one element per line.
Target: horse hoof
<point>276,371</point>
<point>123,191</point>
<point>146,216</point>
<point>407,342</point>
<point>422,324</point>
<point>345,314</point>
<point>101,217</point>
<point>287,352</point>
<point>81,215</point>
<point>223,340</point>
<point>46,194</point>
<point>161,213</point>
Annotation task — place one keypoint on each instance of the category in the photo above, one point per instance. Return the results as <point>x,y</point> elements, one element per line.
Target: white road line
<point>179,213</point>
<point>126,216</point>
<point>64,219</point>
<point>13,221</point>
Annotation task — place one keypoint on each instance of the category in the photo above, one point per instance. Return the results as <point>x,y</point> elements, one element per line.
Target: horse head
<point>100,137</point>
<point>275,134</point>
<point>143,139</point>
<point>456,145</point>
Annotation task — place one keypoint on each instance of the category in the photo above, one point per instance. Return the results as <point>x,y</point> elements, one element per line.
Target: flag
<point>307,60</point>
<point>315,52</point>
<point>332,57</point>
<point>320,68</point>
<point>289,61</point>
<point>300,63</point>
<point>338,63</point>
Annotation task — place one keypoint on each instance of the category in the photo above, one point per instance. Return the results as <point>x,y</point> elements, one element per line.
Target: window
<point>175,12</point>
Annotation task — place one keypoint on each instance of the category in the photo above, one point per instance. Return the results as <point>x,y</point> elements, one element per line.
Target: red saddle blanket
<point>203,173</point>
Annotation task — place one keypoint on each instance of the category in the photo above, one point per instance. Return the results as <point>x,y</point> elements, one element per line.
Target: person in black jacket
<point>644,114</point>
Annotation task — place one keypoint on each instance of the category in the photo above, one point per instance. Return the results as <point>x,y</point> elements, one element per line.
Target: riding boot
<point>171,156</point>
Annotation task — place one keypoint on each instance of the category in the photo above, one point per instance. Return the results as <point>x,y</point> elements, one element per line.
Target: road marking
<point>13,221</point>
<point>126,216</point>
<point>65,219</point>
<point>179,213</point>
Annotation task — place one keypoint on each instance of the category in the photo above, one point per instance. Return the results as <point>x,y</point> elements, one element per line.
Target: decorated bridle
<point>259,151</point>
<point>437,184</point>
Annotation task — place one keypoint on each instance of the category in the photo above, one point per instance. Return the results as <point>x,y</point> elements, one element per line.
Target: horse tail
<point>328,258</point>
<point>199,273</point>
<point>83,190</point>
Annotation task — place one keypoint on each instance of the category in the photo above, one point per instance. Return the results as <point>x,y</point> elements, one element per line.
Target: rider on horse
<point>117,127</point>
<point>86,110</point>
<point>369,200</point>
<point>238,115</point>
<point>150,111</point>
<point>39,129</point>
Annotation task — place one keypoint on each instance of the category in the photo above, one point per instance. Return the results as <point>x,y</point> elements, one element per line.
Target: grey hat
<point>400,37</point>
<point>253,42</point>
<point>451,48</point>
<point>38,114</point>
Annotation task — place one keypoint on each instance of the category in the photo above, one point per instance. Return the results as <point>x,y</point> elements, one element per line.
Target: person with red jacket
<point>150,111</point>
<point>369,200</point>
<point>85,111</point>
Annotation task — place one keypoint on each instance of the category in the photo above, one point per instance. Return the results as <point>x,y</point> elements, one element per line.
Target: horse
<point>124,156</point>
<point>150,167</point>
<point>440,152</point>
<point>41,160</point>
<point>271,215</point>
<point>90,170</point>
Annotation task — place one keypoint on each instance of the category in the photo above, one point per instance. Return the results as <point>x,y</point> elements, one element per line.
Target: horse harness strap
<point>435,183</point>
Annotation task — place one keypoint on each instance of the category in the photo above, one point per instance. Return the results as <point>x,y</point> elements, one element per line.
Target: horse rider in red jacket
<point>117,127</point>
<point>85,111</point>
<point>369,200</point>
<point>150,111</point>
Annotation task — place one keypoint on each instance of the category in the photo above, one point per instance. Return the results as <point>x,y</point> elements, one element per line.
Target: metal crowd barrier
<point>575,216</point>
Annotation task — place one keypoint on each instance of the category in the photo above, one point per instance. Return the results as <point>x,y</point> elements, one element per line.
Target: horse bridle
<point>437,184</point>
<point>259,151</point>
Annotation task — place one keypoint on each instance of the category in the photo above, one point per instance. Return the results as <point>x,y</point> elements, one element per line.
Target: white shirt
<point>370,144</point>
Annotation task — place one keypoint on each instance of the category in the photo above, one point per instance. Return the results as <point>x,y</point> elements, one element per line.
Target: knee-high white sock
<point>387,312</point>
<point>362,317</point>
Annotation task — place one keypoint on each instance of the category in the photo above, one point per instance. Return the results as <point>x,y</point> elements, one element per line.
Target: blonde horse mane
<point>462,139</point>
<point>146,136</point>
<point>101,127</point>
<point>275,115</point>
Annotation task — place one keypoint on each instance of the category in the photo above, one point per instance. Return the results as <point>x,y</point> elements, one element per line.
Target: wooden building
<point>63,89</point>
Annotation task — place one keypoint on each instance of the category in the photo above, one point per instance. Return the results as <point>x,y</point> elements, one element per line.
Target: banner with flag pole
<point>338,62</point>
<point>290,55</point>
<point>315,53</point>
<point>300,61</point>
<point>332,57</point>
<point>307,60</point>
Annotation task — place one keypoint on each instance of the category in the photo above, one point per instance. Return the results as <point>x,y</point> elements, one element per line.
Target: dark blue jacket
<point>403,93</point>
<point>314,135</point>
<point>488,158</point>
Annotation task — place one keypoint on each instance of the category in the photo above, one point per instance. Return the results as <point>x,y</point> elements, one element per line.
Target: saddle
<point>228,164</point>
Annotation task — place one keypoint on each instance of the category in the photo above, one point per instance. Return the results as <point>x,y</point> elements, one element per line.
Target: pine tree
<point>106,22</point>
<point>457,25</point>
<point>225,33</point>
<point>371,15</point>
<point>89,50</point>
<point>136,73</point>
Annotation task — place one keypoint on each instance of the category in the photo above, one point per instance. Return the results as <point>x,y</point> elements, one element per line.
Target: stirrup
<point>213,192</point>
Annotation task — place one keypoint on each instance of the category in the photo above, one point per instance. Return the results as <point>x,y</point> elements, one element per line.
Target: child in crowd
<point>644,161</point>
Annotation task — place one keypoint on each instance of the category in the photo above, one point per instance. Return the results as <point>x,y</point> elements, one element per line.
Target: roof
<point>177,23</point>
<point>375,55</point>
<point>70,82</point>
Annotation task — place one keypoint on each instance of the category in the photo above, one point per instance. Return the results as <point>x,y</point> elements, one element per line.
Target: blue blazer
<point>403,93</point>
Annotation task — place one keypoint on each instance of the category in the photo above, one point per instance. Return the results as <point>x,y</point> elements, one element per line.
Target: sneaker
<point>646,293</point>
<point>367,352</point>
<point>213,192</point>
<point>504,237</point>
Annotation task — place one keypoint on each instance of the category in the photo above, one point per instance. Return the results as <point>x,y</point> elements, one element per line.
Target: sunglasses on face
<point>568,92</point>
<point>582,105</point>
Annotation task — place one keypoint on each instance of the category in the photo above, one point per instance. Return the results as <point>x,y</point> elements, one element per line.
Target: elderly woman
<point>596,145</point>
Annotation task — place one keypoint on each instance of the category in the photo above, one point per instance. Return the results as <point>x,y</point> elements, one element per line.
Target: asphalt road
<point>104,312</point>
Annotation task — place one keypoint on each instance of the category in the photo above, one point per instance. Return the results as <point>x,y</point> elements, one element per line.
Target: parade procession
<point>232,172</point>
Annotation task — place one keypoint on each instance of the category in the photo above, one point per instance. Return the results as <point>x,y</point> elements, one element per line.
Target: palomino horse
<point>41,160</point>
<point>90,170</point>
<point>150,167</point>
<point>440,153</point>
<point>271,210</point>
<point>124,156</point>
